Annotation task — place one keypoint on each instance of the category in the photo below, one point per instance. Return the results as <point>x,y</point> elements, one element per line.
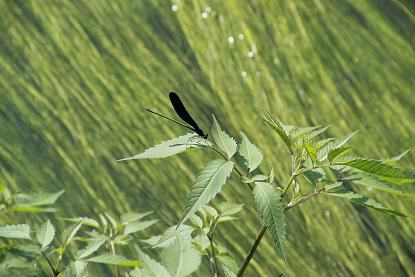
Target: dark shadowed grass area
<point>75,77</point>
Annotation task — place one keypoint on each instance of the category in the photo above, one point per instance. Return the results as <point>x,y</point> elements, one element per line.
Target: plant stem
<point>264,228</point>
<point>117,269</point>
<point>213,258</point>
<point>55,272</point>
<point>252,251</point>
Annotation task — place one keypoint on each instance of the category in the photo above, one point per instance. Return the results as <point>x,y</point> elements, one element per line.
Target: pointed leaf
<point>331,145</point>
<point>168,148</point>
<point>134,227</point>
<point>45,234</point>
<point>87,221</point>
<point>92,247</point>
<point>299,132</point>
<point>278,128</point>
<point>131,217</point>
<point>208,183</point>
<point>362,200</point>
<point>386,171</point>
<point>69,233</point>
<point>76,269</point>
<point>109,258</point>
<point>36,199</point>
<point>373,182</point>
<point>19,231</point>
<point>251,153</point>
<point>170,234</point>
<point>229,266</point>
<point>150,267</point>
<point>311,151</point>
<point>229,208</point>
<point>270,208</point>
<point>313,176</point>
<point>397,158</point>
<point>180,258</point>
<point>337,152</point>
<point>224,142</point>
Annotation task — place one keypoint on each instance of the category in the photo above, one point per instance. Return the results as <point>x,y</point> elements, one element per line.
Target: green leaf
<point>208,183</point>
<point>299,132</point>
<point>131,217</point>
<point>151,268</point>
<point>271,175</point>
<point>337,152</point>
<point>375,183</point>
<point>313,176</point>
<point>196,221</point>
<point>331,145</point>
<point>87,221</point>
<point>168,148</point>
<point>229,208</point>
<point>397,158</point>
<point>19,231</point>
<point>201,242</point>
<point>76,269</point>
<point>362,200</point>
<point>278,128</point>
<point>170,234</point>
<point>270,208</point>
<point>312,153</point>
<point>70,232</point>
<point>229,266</point>
<point>45,234</point>
<point>332,185</point>
<point>251,153</point>
<point>134,227</point>
<point>92,247</point>
<point>109,258</point>
<point>180,258</point>
<point>36,199</point>
<point>311,135</point>
<point>386,171</point>
<point>224,142</point>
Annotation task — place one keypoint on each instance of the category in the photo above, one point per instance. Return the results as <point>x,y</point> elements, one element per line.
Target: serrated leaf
<point>208,183</point>
<point>319,144</point>
<point>201,242</point>
<point>223,141</point>
<point>76,269</point>
<point>312,153</point>
<point>180,258</point>
<point>397,158</point>
<point>337,152</point>
<point>170,234</point>
<point>229,208</point>
<point>87,221</point>
<point>70,232</point>
<point>278,128</point>
<point>386,171</point>
<point>18,231</point>
<point>134,227</point>
<point>36,199</point>
<point>299,132</point>
<point>251,153</point>
<point>92,247</point>
<point>229,266</point>
<point>109,258</point>
<point>150,267</point>
<point>331,145</point>
<point>131,217</point>
<point>196,221</point>
<point>271,175</point>
<point>209,211</point>
<point>375,183</point>
<point>315,175</point>
<point>315,133</point>
<point>333,185</point>
<point>45,234</point>
<point>168,148</point>
<point>271,210</point>
<point>362,200</point>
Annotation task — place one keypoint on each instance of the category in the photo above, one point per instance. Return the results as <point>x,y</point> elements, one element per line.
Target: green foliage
<point>208,183</point>
<point>251,153</point>
<point>45,234</point>
<point>276,125</point>
<point>223,141</point>
<point>20,231</point>
<point>168,148</point>
<point>270,207</point>
<point>112,259</point>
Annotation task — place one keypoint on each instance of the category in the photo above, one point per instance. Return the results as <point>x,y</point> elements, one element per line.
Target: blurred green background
<point>75,77</point>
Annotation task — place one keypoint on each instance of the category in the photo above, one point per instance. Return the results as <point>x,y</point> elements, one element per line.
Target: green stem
<point>264,228</point>
<point>213,258</point>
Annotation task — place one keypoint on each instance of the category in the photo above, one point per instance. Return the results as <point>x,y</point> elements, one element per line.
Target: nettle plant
<point>320,166</point>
